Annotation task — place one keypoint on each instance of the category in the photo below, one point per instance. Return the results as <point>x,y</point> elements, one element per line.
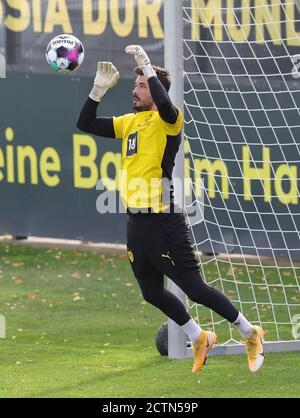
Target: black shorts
<point>160,244</point>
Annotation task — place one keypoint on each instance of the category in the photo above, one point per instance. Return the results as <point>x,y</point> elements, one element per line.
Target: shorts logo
<point>130,256</point>
<point>168,256</point>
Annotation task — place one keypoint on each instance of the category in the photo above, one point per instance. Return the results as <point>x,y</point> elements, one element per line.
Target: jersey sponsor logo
<point>146,123</point>
<point>132,144</point>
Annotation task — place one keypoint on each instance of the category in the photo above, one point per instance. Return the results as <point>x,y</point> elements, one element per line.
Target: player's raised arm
<point>106,77</point>
<point>165,107</point>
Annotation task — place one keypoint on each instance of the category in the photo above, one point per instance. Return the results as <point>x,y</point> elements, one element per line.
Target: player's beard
<point>143,105</point>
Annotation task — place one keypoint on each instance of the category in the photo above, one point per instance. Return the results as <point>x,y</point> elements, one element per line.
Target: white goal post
<point>240,62</point>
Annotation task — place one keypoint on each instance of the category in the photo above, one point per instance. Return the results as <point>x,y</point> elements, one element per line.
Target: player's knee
<point>198,293</point>
<point>147,295</point>
<point>151,297</point>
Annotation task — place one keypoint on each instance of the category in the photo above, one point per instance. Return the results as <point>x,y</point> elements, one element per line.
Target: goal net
<point>242,159</point>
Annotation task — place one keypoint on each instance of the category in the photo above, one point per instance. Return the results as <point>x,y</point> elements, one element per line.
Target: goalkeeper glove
<point>142,60</point>
<point>107,76</point>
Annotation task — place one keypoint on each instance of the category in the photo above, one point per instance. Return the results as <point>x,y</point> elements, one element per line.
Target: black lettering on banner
<point>132,144</point>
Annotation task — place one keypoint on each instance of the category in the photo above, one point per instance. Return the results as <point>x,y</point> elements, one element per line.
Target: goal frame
<point>178,346</point>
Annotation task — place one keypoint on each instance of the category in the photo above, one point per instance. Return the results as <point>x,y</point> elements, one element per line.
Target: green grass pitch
<point>77,326</point>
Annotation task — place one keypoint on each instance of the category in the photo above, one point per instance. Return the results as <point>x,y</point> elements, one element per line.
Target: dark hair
<point>163,75</point>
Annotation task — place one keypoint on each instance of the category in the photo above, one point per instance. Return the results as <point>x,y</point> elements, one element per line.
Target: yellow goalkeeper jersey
<point>149,148</point>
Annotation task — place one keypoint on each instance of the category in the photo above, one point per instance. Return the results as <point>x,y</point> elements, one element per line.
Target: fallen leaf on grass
<point>123,256</point>
<point>231,292</point>
<point>51,302</point>
<point>76,297</point>
<point>76,275</point>
<point>17,280</point>
<point>17,264</point>
<point>78,254</point>
<point>73,262</point>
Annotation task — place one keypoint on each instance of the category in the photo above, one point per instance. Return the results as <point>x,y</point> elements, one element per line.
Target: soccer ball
<point>65,53</point>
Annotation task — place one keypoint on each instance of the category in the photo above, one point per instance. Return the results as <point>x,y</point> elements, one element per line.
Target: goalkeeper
<point>158,240</point>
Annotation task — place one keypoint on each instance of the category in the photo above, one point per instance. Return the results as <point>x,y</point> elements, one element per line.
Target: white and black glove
<point>142,60</point>
<point>106,77</point>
